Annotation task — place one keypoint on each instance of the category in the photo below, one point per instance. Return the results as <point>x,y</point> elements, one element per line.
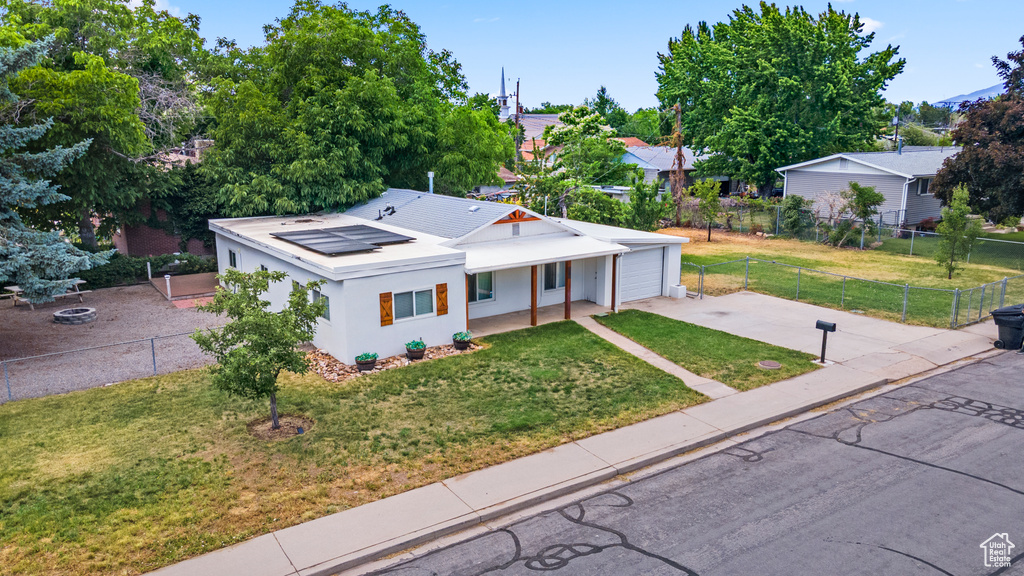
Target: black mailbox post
<point>825,328</point>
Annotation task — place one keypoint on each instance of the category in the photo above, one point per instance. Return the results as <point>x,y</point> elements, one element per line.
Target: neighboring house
<point>658,162</point>
<point>903,177</point>
<point>496,192</point>
<point>411,265</point>
<point>141,239</point>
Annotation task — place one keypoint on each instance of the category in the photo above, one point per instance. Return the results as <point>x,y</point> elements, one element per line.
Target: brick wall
<point>144,240</point>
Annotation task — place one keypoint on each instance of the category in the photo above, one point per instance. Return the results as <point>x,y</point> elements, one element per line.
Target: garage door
<point>641,274</point>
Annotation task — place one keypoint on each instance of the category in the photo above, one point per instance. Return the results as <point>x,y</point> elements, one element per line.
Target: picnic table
<point>75,290</point>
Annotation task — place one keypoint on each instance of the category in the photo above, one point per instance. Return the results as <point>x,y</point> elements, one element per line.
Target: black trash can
<point>1010,321</point>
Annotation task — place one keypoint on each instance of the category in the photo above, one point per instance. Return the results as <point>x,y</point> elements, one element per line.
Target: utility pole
<point>677,178</point>
<point>519,137</point>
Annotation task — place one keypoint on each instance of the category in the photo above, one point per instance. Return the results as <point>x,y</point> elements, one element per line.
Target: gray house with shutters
<point>903,177</point>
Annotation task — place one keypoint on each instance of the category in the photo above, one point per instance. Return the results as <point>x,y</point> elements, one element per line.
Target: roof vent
<point>474,208</point>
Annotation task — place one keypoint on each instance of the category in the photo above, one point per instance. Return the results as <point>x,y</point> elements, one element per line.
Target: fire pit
<point>74,315</point>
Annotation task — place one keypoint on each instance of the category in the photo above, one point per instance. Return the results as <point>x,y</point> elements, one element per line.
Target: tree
<point>863,203</point>
<point>338,105</point>
<point>117,75</point>
<point>957,232</point>
<point>257,344</point>
<point>41,263</point>
<point>645,209</point>
<point>481,101</point>
<point>645,124</point>
<point>592,205</point>
<point>770,88</point>
<point>709,203</point>
<point>991,162</point>
<point>610,110</point>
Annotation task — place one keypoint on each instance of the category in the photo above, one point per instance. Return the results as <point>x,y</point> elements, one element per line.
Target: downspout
<point>903,205</point>
<point>785,183</point>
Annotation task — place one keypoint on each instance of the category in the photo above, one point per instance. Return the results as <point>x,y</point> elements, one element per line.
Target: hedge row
<point>132,269</point>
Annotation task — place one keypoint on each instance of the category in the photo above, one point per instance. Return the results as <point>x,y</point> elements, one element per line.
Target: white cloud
<point>478,20</point>
<point>980,66</point>
<point>159,5</point>
<point>870,24</point>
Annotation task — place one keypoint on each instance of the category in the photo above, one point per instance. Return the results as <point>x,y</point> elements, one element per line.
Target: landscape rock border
<point>334,370</point>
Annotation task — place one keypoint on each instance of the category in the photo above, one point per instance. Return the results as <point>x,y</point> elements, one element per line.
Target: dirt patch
<point>290,424</point>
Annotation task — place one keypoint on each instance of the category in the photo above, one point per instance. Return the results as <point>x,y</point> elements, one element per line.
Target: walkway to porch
<point>521,319</point>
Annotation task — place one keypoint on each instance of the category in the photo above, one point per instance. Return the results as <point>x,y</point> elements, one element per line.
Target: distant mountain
<point>990,92</point>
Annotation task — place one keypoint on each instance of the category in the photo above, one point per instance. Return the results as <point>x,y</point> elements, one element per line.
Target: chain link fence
<point>96,366</point>
<point>900,302</point>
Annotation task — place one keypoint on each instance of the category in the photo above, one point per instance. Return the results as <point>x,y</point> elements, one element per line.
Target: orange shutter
<point>387,316</point>
<point>442,299</point>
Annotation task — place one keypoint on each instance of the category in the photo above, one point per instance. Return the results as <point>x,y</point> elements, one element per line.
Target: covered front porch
<point>524,318</point>
<point>536,280</point>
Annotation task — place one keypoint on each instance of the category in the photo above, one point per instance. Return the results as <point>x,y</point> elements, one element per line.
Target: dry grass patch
<point>126,479</point>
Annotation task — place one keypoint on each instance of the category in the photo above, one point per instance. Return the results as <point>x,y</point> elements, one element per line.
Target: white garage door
<point>641,274</point>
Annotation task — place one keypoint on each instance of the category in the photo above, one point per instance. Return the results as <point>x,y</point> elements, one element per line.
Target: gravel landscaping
<point>123,314</point>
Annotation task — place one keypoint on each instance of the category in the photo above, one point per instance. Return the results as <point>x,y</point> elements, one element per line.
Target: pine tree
<point>41,263</point>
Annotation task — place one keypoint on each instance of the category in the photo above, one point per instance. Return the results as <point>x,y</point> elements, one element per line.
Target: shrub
<point>462,336</point>
<point>123,269</point>
<point>415,345</point>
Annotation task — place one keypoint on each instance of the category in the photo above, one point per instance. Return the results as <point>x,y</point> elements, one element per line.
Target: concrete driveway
<point>882,347</point>
<point>914,481</point>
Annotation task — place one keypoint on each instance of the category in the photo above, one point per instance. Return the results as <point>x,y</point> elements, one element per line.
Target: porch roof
<point>533,250</point>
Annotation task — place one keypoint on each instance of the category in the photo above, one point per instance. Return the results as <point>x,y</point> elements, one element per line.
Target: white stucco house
<point>411,265</point>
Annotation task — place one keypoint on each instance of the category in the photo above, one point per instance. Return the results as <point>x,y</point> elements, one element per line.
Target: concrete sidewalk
<point>868,354</point>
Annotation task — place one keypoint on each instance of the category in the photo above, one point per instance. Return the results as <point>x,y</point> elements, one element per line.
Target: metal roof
<point>662,157</point>
<point>913,161</point>
<point>434,214</point>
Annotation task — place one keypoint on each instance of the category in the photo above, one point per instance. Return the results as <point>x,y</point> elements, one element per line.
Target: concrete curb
<point>367,533</point>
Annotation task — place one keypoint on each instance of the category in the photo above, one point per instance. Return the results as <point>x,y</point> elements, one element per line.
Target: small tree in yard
<point>257,344</point>
<point>957,232</point>
<point>709,203</point>
<point>863,202</point>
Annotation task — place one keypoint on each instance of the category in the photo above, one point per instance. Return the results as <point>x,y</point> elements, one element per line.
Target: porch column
<point>568,289</point>
<point>467,302</point>
<point>615,282</point>
<point>533,295</point>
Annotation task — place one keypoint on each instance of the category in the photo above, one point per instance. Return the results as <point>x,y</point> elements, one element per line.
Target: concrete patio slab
<point>521,319</point>
<point>322,546</point>
<point>261,556</point>
<point>522,482</point>
<point>640,444</point>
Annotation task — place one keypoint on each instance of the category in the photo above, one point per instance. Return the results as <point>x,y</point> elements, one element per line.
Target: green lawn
<point>139,475</point>
<point>729,359</point>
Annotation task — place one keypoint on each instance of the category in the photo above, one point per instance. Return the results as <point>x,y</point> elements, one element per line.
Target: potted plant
<point>366,361</point>
<point>414,350</point>
<point>462,340</point>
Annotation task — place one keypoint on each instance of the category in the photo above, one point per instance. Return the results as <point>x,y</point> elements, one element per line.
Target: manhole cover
<point>769,365</point>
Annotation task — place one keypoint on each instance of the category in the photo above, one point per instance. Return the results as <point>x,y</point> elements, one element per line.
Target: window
<point>317,296</point>
<point>418,303</point>
<point>263,268</point>
<point>232,259</point>
<point>922,186</point>
<point>481,287</point>
<point>554,275</point>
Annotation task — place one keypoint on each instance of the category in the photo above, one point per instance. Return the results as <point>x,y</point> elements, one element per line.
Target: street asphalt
<point>913,481</point>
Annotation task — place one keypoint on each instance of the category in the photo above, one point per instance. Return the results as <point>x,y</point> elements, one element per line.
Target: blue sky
<point>563,51</point>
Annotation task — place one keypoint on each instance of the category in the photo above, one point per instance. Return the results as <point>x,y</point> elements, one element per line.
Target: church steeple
<point>502,98</point>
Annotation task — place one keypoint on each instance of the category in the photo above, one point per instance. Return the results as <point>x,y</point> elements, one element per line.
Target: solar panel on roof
<point>342,239</point>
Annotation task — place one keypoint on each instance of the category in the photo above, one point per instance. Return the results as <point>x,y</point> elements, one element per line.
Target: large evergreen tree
<point>116,74</point>
<point>41,263</point>
<point>770,88</point>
